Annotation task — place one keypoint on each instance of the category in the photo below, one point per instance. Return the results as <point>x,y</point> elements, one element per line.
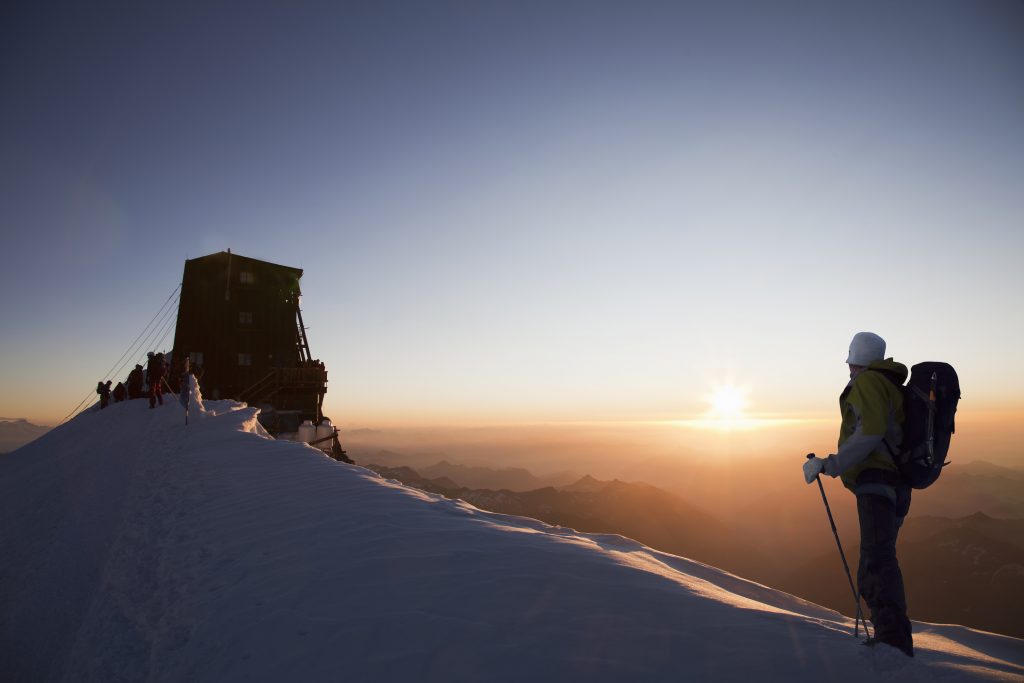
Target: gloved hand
<point>812,468</point>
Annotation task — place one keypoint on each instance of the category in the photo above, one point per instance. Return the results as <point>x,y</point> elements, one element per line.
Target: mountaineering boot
<point>904,646</point>
<point>892,627</point>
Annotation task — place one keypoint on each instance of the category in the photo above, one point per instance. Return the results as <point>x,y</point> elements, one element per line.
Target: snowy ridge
<point>138,549</point>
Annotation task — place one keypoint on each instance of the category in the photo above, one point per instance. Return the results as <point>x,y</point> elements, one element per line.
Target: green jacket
<point>872,410</point>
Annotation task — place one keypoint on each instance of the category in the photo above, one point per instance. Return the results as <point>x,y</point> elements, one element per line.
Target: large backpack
<point>929,406</point>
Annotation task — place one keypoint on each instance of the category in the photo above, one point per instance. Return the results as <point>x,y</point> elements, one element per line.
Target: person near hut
<point>103,389</point>
<point>135,382</point>
<point>155,371</point>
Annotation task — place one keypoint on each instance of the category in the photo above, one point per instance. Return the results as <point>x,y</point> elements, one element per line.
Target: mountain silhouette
<point>511,478</point>
<point>587,484</point>
<point>16,432</point>
<point>636,510</point>
<point>973,487</point>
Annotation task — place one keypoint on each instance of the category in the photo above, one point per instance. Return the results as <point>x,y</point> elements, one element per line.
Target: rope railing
<point>158,332</point>
<point>166,316</point>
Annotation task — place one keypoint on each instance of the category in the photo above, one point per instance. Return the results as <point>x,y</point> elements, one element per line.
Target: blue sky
<point>569,210</point>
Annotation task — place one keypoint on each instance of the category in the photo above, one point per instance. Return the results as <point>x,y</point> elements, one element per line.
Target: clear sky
<point>532,211</point>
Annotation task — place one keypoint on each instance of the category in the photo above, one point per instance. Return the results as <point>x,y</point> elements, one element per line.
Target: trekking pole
<point>859,616</point>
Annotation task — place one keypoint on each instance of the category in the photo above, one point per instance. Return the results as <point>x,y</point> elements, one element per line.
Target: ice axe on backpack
<point>859,618</point>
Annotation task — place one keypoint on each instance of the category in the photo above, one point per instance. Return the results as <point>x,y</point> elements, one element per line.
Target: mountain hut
<point>240,324</point>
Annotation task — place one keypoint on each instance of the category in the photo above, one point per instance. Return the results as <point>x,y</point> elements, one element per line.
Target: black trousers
<point>878,575</point>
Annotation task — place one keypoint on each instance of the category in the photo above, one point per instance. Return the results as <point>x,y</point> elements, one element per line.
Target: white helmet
<point>866,348</point>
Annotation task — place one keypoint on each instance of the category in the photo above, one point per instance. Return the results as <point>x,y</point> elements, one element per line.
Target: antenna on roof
<point>227,283</point>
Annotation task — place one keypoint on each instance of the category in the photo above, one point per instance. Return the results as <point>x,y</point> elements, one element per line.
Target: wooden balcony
<point>303,380</point>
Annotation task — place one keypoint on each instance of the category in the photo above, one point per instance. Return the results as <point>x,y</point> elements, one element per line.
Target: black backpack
<point>929,406</point>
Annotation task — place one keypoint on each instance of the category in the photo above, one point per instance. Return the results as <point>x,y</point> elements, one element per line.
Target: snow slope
<point>135,548</point>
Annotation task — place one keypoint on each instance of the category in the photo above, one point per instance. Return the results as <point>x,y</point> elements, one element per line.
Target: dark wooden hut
<point>239,321</point>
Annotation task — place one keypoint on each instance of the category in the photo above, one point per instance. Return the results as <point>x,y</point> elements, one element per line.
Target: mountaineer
<point>871,406</point>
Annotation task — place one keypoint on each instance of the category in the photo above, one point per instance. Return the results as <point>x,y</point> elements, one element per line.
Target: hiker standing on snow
<point>135,382</point>
<point>872,429</point>
<point>103,389</point>
<point>155,374</point>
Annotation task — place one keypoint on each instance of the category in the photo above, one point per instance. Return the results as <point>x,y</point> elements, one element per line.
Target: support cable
<point>162,314</point>
<point>170,326</point>
<point>112,372</point>
<point>169,317</point>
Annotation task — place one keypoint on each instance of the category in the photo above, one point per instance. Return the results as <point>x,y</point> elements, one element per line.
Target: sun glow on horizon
<point>728,403</point>
<point>728,409</point>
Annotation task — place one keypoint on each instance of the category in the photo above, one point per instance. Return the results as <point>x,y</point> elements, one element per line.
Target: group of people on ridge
<point>141,383</point>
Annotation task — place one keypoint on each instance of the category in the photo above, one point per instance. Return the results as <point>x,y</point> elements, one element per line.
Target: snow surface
<point>135,548</point>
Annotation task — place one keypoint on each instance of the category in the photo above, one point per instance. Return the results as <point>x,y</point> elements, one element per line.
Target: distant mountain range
<point>636,510</point>
<point>967,570</point>
<point>16,432</point>
<point>976,486</point>
<point>510,478</point>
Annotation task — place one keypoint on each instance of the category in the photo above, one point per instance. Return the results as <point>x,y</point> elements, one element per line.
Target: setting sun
<point>727,410</point>
<point>727,403</point>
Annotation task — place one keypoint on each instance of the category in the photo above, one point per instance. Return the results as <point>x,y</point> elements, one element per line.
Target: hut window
<point>246,278</point>
<point>245,359</point>
<point>245,317</point>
